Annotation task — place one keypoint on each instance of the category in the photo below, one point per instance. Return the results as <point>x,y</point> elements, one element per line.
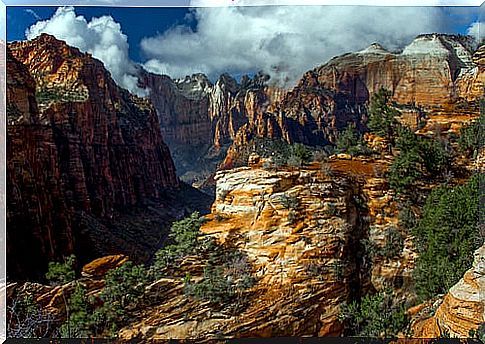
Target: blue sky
<point>284,41</point>
<point>136,23</point>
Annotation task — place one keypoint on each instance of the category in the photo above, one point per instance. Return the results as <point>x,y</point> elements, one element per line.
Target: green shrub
<point>61,273</point>
<point>471,138</point>
<point>79,322</point>
<point>301,152</point>
<point>215,286</point>
<point>374,316</point>
<point>479,333</point>
<point>393,246</point>
<point>418,158</point>
<point>407,219</point>
<point>183,240</point>
<point>222,282</point>
<point>382,116</point>
<point>394,243</point>
<point>350,141</point>
<point>289,202</point>
<point>446,237</point>
<point>123,292</point>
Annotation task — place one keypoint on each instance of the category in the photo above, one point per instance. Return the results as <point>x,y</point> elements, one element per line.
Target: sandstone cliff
<point>82,152</point>
<point>427,72</point>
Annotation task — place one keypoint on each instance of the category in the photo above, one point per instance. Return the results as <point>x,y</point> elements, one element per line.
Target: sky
<point>284,41</point>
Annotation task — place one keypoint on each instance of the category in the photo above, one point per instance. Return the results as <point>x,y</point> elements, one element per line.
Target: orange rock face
<point>430,71</point>
<point>99,267</point>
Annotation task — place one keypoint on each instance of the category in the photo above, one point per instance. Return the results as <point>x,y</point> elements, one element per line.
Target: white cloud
<point>287,39</point>
<point>33,13</point>
<point>477,30</point>
<point>102,37</point>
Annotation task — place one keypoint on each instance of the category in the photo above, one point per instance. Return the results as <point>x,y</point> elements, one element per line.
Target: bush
<point>393,246</point>
<point>471,138</point>
<point>289,202</point>
<point>394,243</point>
<point>418,158</point>
<point>374,316</point>
<point>222,282</point>
<point>446,237</point>
<point>123,291</point>
<point>26,319</point>
<point>407,219</point>
<point>351,141</point>
<point>479,333</point>
<point>301,152</point>
<point>61,273</point>
<point>79,322</point>
<point>215,286</point>
<point>183,240</point>
<point>382,117</point>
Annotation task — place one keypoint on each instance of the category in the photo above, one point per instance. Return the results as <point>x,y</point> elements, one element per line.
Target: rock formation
<point>199,119</point>
<point>429,71</point>
<point>434,72</point>
<point>86,160</point>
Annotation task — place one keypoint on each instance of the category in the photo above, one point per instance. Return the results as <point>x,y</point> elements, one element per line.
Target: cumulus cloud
<point>102,37</point>
<point>283,41</point>
<point>477,30</point>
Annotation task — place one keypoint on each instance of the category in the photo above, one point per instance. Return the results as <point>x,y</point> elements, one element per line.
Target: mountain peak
<point>374,48</point>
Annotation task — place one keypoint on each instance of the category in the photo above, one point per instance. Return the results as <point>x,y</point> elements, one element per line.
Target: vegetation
<point>407,219</point>
<point>382,116</point>
<point>183,240</point>
<point>49,95</point>
<point>471,138</point>
<point>26,319</point>
<point>374,316</point>
<point>281,153</point>
<point>446,237</point>
<point>123,292</point>
<point>479,333</point>
<point>222,282</point>
<point>299,155</point>
<point>79,321</point>
<point>61,273</point>
<point>419,157</point>
<point>393,245</point>
<point>350,141</point>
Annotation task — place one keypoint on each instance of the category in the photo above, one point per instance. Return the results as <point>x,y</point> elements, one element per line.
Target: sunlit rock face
<point>431,70</point>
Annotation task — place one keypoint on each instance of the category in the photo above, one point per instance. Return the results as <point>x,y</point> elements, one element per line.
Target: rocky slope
<point>302,231</point>
<point>95,147</point>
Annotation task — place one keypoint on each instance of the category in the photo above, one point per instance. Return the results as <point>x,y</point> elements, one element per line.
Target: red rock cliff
<point>93,146</point>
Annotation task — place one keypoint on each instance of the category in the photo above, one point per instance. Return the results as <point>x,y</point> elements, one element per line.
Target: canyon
<point>88,171</point>
<point>94,170</point>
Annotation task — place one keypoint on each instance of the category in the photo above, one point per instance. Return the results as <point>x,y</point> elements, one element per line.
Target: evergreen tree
<point>382,116</point>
